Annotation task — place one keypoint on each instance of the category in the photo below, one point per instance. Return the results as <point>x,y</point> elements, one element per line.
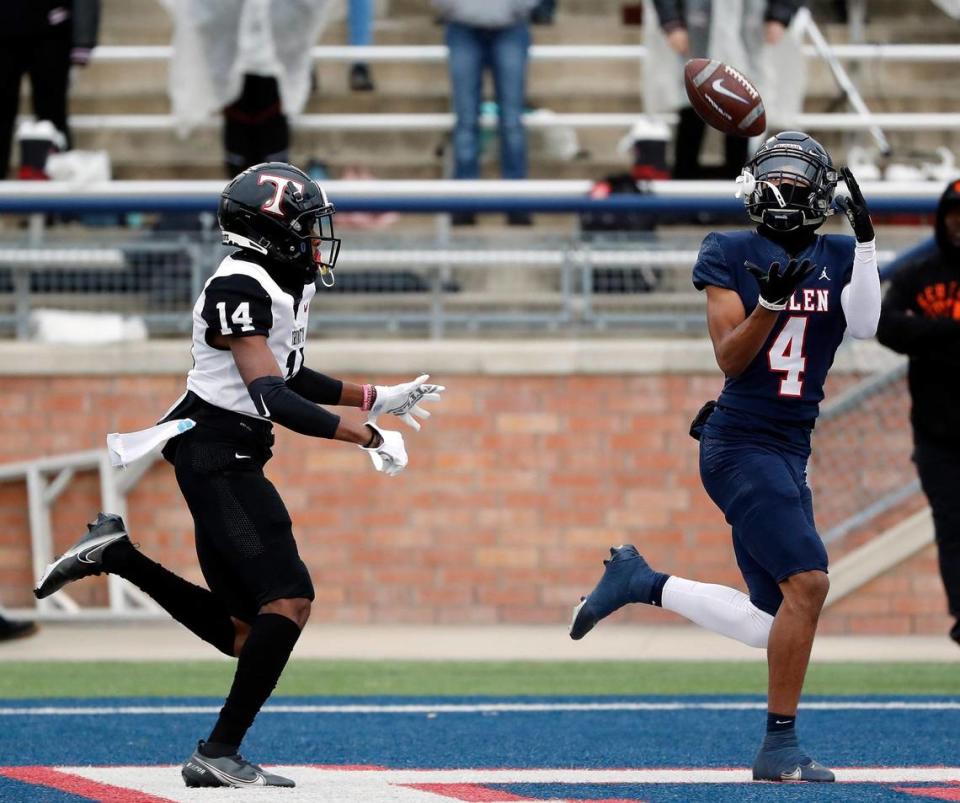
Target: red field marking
<point>102,792</point>
<point>475,793</point>
<point>468,791</point>
<point>932,792</point>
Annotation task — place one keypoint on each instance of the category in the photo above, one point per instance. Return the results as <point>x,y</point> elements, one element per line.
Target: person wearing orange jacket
<point>921,318</point>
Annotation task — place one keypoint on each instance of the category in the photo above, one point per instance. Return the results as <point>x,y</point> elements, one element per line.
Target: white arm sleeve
<point>860,298</point>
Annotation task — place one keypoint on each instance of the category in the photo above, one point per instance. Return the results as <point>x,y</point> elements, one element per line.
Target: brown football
<point>724,98</point>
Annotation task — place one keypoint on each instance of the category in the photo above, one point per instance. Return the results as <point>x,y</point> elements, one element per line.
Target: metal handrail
<point>660,197</point>
<point>840,75</point>
<point>438,53</point>
<point>442,121</point>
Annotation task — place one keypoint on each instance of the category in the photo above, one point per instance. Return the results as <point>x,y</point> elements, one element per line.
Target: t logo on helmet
<point>280,183</point>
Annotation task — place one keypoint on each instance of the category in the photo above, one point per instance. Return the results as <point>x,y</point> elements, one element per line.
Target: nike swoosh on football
<point>719,87</point>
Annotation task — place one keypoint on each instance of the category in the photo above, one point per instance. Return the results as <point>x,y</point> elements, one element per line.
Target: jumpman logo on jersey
<point>823,274</point>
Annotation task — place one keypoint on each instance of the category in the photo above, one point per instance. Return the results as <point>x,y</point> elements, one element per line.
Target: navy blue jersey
<point>785,380</point>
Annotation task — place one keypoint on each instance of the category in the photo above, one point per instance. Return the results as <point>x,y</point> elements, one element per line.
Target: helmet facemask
<point>318,247</point>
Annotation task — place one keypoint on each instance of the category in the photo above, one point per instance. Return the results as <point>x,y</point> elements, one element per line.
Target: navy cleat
<point>232,771</point>
<point>781,759</point>
<point>627,578</point>
<point>84,558</point>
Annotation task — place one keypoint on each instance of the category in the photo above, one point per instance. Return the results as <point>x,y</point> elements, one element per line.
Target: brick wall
<point>514,492</point>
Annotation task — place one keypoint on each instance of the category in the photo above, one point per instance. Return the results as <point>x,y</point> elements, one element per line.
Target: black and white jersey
<point>242,299</point>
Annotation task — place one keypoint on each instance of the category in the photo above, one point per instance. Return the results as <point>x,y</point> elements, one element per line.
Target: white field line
<point>482,708</point>
<point>331,784</point>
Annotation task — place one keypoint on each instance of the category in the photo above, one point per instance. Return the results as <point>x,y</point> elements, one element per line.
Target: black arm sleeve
<point>913,334</point>
<point>670,14</point>
<point>316,387</point>
<point>782,11</point>
<point>274,400</point>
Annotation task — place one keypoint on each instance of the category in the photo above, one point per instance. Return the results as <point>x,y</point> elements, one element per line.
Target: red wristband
<point>369,396</point>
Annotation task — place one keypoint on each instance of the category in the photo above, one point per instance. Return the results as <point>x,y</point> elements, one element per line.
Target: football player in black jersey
<point>249,329</point>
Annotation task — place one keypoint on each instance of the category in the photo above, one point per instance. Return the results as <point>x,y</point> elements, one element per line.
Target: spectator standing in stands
<point>921,318</point>
<point>689,29</point>
<point>42,39</point>
<point>494,34</point>
<point>360,24</point>
<point>249,59</point>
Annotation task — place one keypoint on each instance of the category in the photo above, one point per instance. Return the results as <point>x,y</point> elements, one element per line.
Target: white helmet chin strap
<point>747,185</point>
<point>325,271</point>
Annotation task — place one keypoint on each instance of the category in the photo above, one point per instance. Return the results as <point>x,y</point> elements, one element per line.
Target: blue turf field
<point>691,737</point>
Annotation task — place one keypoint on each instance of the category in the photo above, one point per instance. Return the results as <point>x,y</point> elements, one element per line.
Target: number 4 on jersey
<point>786,355</point>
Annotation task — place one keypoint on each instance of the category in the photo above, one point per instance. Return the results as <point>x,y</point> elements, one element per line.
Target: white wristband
<point>770,305</point>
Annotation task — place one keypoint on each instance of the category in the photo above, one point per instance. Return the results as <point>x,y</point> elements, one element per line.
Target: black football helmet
<point>276,210</point>
<point>789,183</point>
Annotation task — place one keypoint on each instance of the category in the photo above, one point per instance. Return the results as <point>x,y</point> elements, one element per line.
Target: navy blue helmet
<point>789,183</point>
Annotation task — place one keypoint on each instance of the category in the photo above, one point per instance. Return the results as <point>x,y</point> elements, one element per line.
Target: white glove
<point>403,400</point>
<point>390,457</point>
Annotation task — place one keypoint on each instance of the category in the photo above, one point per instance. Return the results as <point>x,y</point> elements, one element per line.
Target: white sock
<point>721,609</point>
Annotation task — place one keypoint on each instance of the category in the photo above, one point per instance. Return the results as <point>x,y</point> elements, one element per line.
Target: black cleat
<point>84,558</point>
<point>14,630</point>
<point>234,771</point>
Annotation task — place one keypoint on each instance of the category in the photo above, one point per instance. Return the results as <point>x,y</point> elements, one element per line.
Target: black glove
<point>777,286</point>
<point>855,208</point>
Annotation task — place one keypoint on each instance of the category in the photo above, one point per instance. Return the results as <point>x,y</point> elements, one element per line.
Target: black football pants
<point>938,465</point>
<point>255,128</point>
<point>46,59</point>
<point>686,163</point>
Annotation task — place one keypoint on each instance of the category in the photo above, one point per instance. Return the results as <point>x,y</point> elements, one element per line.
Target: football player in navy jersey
<point>779,300</point>
<point>249,331</point>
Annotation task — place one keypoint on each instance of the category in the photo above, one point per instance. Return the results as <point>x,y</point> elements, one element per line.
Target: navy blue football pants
<point>763,494</point>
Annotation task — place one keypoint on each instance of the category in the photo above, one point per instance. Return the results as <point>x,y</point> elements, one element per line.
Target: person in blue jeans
<point>360,28</point>
<point>492,35</point>
<point>779,300</point>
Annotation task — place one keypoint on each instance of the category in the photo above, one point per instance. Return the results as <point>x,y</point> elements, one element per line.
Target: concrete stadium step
<point>405,87</point>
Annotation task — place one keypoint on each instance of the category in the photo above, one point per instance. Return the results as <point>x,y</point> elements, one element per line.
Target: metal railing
<point>394,280</point>
<point>861,120</point>
<point>665,199</point>
<point>348,54</point>
<point>46,479</point>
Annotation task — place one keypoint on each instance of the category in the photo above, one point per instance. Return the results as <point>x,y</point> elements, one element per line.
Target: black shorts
<point>244,537</point>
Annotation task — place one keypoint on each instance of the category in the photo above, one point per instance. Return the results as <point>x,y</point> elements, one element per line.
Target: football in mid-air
<point>724,98</point>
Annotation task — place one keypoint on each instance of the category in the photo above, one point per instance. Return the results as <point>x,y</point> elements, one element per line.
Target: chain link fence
<point>441,283</point>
